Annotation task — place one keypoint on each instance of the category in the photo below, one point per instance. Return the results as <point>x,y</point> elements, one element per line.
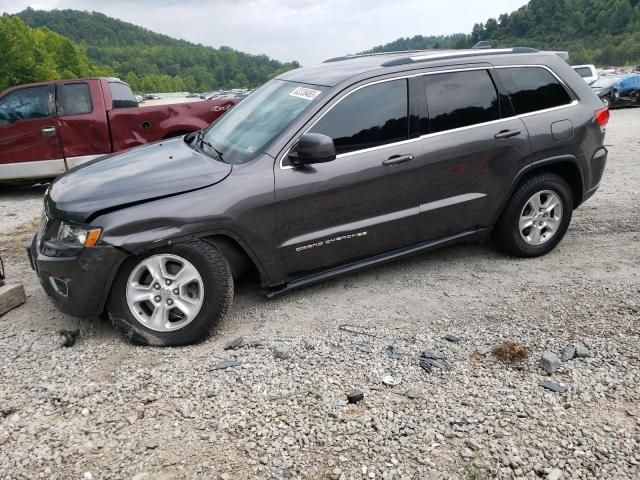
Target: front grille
<point>44,223</point>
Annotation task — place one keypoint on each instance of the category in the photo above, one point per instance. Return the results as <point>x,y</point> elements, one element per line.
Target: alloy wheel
<point>540,217</point>
<point>165,292</point>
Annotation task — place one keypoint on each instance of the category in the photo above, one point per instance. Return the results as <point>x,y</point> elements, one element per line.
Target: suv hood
<point>138,175</point>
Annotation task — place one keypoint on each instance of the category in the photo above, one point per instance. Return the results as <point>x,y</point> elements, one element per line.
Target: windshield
<point>257,120</point>
<point>604,82</point>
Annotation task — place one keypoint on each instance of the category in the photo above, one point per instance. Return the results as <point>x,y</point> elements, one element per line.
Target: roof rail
<point>373,54</point>
<point>436,55</point>
<point>483,44</point>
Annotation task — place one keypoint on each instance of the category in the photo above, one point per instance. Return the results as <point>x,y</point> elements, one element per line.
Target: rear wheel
<point>171,296</point>
<point>536,216</point>
<point>606,101</point>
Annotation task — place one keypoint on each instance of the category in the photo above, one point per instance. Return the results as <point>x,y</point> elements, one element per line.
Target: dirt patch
<point>13,242</point>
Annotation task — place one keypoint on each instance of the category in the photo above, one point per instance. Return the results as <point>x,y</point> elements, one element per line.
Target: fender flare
<point>539,166</point>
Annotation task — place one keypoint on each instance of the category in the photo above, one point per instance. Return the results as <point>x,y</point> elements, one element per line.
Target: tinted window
<point>75,99</point>
<point>27,103</point>
<point>369,117</point>
<point>584,72</point>
<point>532,88</point>
<point>122,96</point>
<point>460,99</point>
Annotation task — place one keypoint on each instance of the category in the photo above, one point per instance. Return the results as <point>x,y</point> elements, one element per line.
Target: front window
<point>26,104</point>
<point>373,116</point>
<point>247,129</point>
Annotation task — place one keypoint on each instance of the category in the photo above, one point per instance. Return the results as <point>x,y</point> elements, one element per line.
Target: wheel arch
<point>566,167</point>
<point>240,258</point>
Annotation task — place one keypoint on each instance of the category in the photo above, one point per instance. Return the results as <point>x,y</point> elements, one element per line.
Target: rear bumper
<point>78,285</point>
<point>597,165</point>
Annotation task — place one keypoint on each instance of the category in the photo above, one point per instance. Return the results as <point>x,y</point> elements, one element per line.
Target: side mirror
<point>313,148</point>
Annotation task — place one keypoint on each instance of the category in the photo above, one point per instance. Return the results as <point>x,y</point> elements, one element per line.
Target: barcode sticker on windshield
<point>306,93</point>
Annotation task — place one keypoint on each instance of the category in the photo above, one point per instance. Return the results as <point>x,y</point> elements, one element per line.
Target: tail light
<point>602,117</point>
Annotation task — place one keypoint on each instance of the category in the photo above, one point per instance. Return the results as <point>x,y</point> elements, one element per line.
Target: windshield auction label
<point>306,93</point>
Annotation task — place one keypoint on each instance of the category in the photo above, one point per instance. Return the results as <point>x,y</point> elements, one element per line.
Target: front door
<point>29,143</point>
<point>361,203</point>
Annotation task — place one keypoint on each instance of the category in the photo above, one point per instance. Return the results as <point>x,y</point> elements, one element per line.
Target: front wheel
<point>536,216</point>
<point>607,102</point>
<point>171,296</point>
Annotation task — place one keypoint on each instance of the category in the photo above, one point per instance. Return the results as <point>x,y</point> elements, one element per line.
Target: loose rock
<point>568,353</point>
<point>355,396</point>
<point>282,352</point>
<point>553,386</point>
<point>235,343</point>
<point>582,351</point>
<point>550,362</point>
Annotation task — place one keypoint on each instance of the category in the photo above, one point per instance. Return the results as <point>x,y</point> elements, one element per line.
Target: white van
<point>588,72</point>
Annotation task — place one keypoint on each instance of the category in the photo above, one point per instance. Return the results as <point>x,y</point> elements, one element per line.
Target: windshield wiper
<point>201,141</point>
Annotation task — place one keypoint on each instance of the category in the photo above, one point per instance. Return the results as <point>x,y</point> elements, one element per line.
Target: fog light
<point>59,286</point>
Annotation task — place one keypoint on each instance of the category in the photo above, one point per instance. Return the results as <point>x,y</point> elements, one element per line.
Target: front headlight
<point>77,235</point>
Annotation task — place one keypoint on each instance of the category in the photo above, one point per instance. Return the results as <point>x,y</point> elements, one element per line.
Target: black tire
<point>507,231</point>
<point>218,295</point>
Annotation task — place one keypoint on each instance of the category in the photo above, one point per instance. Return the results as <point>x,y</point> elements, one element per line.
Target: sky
<point>309,31</point>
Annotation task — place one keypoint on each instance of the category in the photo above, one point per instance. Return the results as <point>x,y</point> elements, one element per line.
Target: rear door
<point>363,202</point>
<point>83,127</point>
<point>470,152</point>
<point>29,142</point>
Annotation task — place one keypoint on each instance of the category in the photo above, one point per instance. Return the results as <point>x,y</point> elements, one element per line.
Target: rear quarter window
<point>532,88</point>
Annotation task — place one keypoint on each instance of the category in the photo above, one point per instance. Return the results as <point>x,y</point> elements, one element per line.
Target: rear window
<point>75,99</point>
<point>584,72</point>
<point>122,96</point>
<point>460,99</point>
<point>532,88</point>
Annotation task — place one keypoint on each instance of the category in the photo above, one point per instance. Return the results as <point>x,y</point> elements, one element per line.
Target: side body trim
<point>380,219</point>
<point>376,260</point>
<point>37,169</point>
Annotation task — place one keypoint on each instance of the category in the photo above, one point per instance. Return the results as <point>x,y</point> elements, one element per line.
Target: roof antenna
<point>482,45</point>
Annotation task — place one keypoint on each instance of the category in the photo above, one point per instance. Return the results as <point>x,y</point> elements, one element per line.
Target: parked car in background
<point>588,72</point>
<point>618,91</point>
<point>139,98</point>
<point>321,172</point>
<point>151,96</point>
<point>48,128</point>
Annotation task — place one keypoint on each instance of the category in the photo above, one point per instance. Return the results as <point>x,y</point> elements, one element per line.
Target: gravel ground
<point>106,409</point>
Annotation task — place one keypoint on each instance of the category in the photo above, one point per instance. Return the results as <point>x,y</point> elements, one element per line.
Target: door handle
<point>49,132</point>
<point>397,159</point>
<point>507,134</point>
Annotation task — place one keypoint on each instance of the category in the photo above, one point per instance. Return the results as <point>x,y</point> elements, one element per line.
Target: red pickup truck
<point>48,128</point>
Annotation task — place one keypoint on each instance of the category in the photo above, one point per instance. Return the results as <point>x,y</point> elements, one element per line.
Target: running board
<point>381,259</point>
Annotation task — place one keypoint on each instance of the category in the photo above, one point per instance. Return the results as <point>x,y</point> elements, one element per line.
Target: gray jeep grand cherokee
<point>323,171</point>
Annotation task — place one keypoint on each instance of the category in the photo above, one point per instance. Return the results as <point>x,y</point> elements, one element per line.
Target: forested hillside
<point>149,61</point>
<point>28,55</point>
<point>605,32</point>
